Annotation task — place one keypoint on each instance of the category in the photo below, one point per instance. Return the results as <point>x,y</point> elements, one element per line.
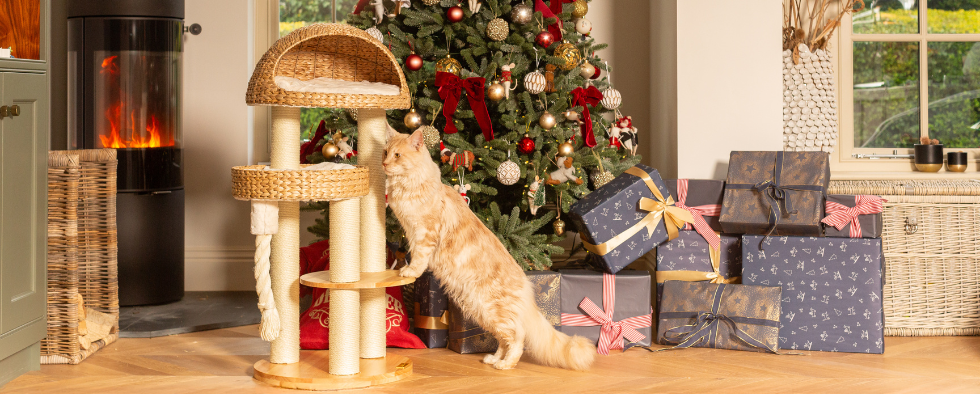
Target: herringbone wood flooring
<point>221,361</point>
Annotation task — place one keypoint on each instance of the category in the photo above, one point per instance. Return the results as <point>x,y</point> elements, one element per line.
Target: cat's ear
<point>417,140</point>
<point>391,132</point>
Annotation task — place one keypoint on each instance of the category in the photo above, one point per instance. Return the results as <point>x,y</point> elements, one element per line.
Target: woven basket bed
<point>336,51</point>
<point>932,254</point>
<point>258,183</point>
<point>81,249</point>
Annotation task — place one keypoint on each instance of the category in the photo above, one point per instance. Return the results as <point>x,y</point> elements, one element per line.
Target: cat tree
<point>335,66</point>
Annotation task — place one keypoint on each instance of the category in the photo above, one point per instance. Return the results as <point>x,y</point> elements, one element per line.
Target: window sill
<point>900,175</point>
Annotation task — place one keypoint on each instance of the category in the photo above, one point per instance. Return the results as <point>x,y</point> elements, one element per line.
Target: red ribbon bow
<point>839,215</point>
<point>699,212</point>
<point>548,12</point>
<point>451,89</point>
<point>585,97</point>
<point>612,332</point>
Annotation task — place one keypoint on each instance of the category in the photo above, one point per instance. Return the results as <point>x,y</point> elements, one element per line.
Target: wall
<point>217,136</point>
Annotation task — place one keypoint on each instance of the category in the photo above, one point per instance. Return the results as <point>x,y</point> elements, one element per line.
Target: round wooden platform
<point>369,280</point>
<point>310,373</point>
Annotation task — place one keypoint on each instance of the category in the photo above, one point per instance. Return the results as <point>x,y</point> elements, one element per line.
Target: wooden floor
<point>221,361</point>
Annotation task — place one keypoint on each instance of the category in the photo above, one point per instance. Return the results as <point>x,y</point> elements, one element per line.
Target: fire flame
<point>152,138</point>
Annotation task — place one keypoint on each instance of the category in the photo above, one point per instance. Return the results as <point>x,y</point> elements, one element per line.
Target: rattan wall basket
<point>931,242</point>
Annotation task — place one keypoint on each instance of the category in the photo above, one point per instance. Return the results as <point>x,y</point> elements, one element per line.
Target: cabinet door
<point>23,211</point>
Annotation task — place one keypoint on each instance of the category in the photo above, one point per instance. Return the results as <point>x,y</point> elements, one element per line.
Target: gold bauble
<point>547,120</point>
<point>496,92</point>
<point>413,119</point>
<point>600,178</point>
<point>430,2</point>
<point>586,70</point>
<point>570,55</point>
<point>353,113</point>
<point>449,65</point>
<point>497,29</point>
<point>566,149</point>
<point>430,135</point>
<point>521,14</point>
<point>329,150</point>
<point>559,226</point>
<point>581,8</point>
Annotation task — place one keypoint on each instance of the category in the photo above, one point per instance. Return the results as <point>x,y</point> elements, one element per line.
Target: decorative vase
<point>809,102</point>
<point>928,158</point>
<point>956,161</point>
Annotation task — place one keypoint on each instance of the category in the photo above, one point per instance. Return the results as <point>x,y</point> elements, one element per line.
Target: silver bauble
<point>611,99</point>
<point>535,82</point>
<point>508,172</point>
<point>376,34</point>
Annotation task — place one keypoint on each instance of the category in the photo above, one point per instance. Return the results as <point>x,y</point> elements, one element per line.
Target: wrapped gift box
<point>431,320</point>
<point>720,316</point>
<point>687,258</point>
<point>465,336</point>
<point>785,190</point>
<point>832,290</point>
<point>585,307</point>
<point>851,216</point>
<point>627,217</point>
<point>702,195</point>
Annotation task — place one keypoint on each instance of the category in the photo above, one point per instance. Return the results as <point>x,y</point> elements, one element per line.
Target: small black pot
<point>956,161</point>
<point>929,158</point>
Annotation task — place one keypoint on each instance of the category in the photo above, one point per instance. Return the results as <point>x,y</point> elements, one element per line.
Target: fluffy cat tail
<point>556,349</point>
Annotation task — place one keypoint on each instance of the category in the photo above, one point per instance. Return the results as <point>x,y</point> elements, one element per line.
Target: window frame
<point>844,164</point>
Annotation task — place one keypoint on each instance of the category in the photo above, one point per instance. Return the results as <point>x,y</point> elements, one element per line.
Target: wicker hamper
<point>81,249</point>
<point>931,241</point>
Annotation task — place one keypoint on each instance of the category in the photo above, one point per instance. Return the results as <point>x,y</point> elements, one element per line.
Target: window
<point>898,57</point>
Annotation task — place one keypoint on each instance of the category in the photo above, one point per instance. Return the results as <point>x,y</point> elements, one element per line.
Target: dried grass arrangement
<point>806,22</point>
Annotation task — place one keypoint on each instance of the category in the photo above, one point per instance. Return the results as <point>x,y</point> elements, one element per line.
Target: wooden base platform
<point>369,280</point>
<point>310,373</point>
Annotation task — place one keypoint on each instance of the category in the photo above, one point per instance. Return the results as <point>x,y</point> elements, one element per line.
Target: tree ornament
<point>547,120</point>
<point>449,65</point>
<point>601,176</point>
<point>566,148</point>
<point>611,99</point>
<point>353,113</point>
<point>508,172</point>
<point>535,82</point>
<point>583,26</point>
<point>525,145</point>
<point>430,135</point>
<point>507,78</point>
<point>623,132</point>
<point>454,14</point>
<point>581,8</point>
<point>329,150</point>
<point>544,38</point>
<point>344,149</point>
<point>412,119</point>
<point>457,160</point>
<point>569,54</point>
<point>375,33</point>
<point>586,70</point>
<point>430,2</point>
<point>559,226</point>
<point>496,91</point>
<point>598,71</point>
<point>521,14</point>
<point>564,173</point>
<point>549,78</point>
<point>413,62</point>
<point>535,195</point>
<point>462,188</point>
<point>498,29</point>
<point>474,6</point>
<point>572,116</point>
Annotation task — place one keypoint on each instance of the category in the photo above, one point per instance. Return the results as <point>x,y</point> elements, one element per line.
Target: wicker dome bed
<point>328,51</point>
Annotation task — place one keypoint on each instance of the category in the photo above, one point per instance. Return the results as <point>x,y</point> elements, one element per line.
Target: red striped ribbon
<point>612,332</point>
<point>839,215</point>
<point>699,212</point>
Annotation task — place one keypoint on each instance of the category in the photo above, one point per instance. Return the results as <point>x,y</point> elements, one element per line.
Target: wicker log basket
<point>932,254</point>
<point>81,256</point>
<point>335,51</point>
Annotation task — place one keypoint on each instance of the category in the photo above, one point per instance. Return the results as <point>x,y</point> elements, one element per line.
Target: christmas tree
<point>511,98</point>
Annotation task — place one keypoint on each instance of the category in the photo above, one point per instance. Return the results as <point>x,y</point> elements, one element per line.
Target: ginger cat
<point>475,269</point>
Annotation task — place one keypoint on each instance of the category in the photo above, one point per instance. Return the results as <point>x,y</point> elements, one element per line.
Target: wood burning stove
<point>124,73</point>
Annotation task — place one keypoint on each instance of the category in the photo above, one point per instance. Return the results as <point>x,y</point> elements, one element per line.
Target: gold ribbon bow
<point>697,276</point>
<point>431,322</point>
<point>660,209</point>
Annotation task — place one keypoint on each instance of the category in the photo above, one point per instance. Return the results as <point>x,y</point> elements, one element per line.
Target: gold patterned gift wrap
<point>775,193</point>
<point>720,316</point>
<point>465,336</point>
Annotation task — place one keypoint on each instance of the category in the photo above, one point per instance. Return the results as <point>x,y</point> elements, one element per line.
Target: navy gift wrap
<point>832,290</point>
<point>631,303</point>
<point>701,193</point>
<point>431,323</point>
<point>865,211</point>
<point>624,219</point>
<point>687,258</point>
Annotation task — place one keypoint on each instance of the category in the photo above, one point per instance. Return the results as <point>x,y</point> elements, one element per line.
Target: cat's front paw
<point>410,271</point>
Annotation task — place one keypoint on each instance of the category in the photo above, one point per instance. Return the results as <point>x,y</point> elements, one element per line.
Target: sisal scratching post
<point>284,261</point>
<point>371,129</point>
<point>345,304</point>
